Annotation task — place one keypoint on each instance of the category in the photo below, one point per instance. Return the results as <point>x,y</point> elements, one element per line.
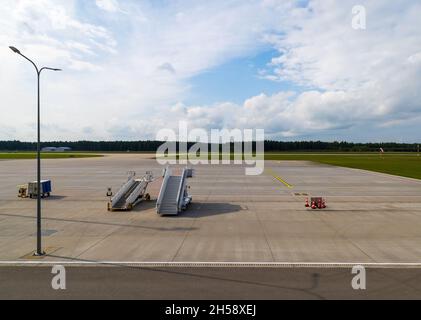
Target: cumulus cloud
<point>360,74</point>
<point>118,75</point>
<point>108,5</point>
<point>127,74</point>
<point>349,78</point>
<point>167,67</point>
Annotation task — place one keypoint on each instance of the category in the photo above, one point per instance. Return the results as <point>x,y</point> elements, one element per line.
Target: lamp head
<point>14,50</point>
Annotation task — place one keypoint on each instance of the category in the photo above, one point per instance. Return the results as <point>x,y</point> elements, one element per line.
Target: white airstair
<point>173,197</point>
<point>131,193</point>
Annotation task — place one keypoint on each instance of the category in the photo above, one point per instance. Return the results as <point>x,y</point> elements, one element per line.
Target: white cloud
<point>108,5</point>
<point>356,78</point>
<point>415,58</point>
<point>126,75</point>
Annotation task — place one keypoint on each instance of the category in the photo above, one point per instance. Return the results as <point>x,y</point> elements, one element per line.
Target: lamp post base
<point>37,254</point>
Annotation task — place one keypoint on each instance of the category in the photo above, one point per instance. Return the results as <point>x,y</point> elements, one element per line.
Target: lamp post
<point>39,251</point>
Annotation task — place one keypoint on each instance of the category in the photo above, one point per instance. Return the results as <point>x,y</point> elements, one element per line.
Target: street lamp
<point>39,251</point>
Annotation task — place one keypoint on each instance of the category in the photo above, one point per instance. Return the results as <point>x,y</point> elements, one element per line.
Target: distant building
<point>56,149</point>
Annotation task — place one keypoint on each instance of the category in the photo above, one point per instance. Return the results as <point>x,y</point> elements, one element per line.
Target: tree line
<point>152,146</point>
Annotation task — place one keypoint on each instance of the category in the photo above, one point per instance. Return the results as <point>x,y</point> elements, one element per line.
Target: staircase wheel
<point>148,197</point>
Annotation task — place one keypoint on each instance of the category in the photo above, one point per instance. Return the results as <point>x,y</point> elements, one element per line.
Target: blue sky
<point>236,80</point>
<point>296,68</point>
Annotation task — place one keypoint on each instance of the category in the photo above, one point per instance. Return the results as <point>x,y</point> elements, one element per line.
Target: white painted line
<point>214,264</point>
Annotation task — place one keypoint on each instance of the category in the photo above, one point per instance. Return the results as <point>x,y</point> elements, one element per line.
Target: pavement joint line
<point>262,226</point>
<point>97,243</point>
<point>188,232</point>
<point>345,238</point>
<point>215,264</point>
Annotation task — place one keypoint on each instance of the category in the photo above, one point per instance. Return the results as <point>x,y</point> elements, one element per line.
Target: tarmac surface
<point>371,217</point>
<point>122,282</point>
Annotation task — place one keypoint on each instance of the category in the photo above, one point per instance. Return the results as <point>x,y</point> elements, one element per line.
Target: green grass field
<point>400,164</point>
<point>44,155</point>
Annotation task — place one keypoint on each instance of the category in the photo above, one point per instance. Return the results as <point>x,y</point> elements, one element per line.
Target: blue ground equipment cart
<point>29,190</point>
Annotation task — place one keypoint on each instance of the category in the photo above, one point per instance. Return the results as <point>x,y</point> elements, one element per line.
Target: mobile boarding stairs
<point>131,193</point>
<point>173,197</point>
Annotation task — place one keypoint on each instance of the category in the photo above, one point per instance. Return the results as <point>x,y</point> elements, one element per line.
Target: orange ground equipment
<point>316,203</point>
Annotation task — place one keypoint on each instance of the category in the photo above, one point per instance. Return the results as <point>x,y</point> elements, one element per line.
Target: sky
<point>296,68</point>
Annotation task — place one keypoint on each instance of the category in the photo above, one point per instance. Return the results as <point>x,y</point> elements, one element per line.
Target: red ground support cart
<point>316,203</point>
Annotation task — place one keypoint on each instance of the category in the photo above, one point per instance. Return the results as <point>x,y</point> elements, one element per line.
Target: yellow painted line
<point>283,181</point>
<point>272,173</point>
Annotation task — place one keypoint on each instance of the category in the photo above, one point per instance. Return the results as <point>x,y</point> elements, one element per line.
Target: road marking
<point>284,182</point>
<point>213,264</point>
<point>273,174</point>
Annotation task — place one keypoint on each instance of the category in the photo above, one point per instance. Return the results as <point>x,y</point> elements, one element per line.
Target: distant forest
<point>152,146</point>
